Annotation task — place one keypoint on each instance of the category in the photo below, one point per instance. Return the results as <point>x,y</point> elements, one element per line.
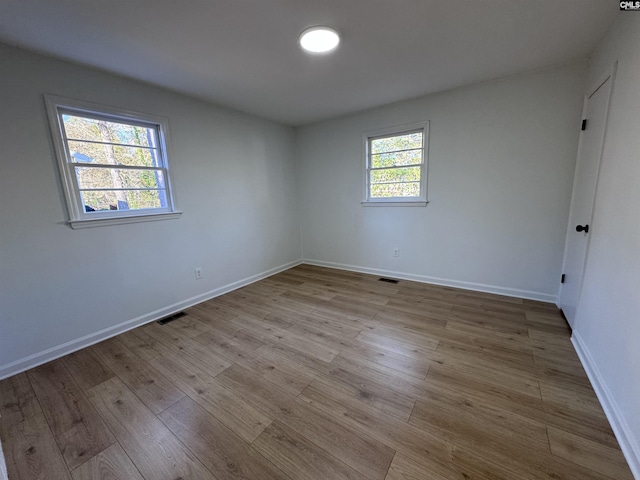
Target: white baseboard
<point>478,287</point>
<point>627,441</point>
<point>58,351</point>
<point>3,466</point>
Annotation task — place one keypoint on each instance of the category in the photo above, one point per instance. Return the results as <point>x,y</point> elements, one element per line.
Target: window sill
<point>395,204</point>
<point>102,222</point>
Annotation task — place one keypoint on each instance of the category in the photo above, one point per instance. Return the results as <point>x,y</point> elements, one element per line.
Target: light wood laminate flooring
<point>319,374</point>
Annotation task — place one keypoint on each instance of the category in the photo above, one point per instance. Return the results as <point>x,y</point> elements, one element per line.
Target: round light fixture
<point>319,39</point>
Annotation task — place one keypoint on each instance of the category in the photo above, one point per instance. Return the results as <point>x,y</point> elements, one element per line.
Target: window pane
<point>82,128</point>
<point>123,200</point>
<point>408,174</point>
<point>399,142</point>
<point>388,190</point>
<point>409,157</point>
<point>89,177</point>
<point>112,154</point>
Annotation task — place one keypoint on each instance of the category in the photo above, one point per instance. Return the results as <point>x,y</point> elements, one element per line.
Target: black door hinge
<point>562,278</point>
<point>584,124</point>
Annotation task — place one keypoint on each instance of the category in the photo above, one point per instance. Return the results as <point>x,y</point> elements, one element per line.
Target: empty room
<point>298,240</point>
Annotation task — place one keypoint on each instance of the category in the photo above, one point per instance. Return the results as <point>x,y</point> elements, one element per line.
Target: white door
<point>584,189</point>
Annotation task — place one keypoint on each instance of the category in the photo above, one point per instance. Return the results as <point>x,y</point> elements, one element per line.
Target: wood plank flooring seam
<point>316,374</point>
<point>58,467</point>
<point>79,472</point>
<point>48,420</point>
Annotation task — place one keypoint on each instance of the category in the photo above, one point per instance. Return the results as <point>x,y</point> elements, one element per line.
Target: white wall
<point>607,328</point>
<point>501,161</point>
<point>501,166</point>
<point>233,176</point>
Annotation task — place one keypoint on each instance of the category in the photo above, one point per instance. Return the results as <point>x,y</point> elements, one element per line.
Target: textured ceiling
<point>244,54</point>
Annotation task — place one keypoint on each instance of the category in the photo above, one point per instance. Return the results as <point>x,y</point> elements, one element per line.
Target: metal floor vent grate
<point>388,280</point>
<point>171,318</point>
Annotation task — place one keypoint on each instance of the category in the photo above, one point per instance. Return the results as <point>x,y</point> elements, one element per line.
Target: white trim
<point>619,425</point>
<point>477,287</point>
<point>58,351</point>
<point>424,166</point>
<point>3,466</point>
<point>609,75</point>
<point>101,222</point>
<point>56,106</point>
<point>394,204</point>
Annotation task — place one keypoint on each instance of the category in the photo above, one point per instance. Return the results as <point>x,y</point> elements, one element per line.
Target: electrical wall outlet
<point>198,272</point>
<point>396,251</point>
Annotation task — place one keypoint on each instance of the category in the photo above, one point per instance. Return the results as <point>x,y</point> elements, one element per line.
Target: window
<point>396,166</point>
<point>113,163</point>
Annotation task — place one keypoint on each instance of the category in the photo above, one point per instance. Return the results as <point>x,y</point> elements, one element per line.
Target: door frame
<point>609,74</point>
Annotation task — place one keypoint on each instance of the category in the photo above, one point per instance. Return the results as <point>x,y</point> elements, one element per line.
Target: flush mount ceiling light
<point>319,39</point>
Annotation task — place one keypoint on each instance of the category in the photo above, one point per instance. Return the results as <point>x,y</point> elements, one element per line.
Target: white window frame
<point>419,201</point>
<point>78,217</point>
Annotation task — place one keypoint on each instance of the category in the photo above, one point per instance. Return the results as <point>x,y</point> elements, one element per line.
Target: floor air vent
<point>171,318</point>
<point>388,280</point>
